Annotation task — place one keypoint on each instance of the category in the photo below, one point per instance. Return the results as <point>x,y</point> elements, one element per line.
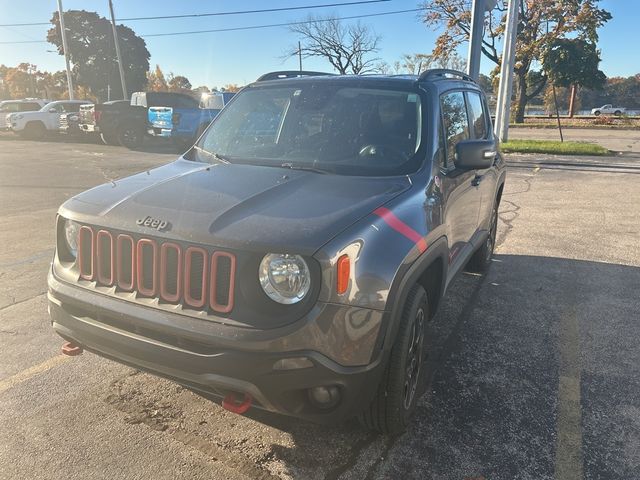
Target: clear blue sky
<point>214,59</point>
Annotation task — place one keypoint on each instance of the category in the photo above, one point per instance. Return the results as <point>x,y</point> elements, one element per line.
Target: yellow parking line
<point>569,429</point>
<point>24,375</point>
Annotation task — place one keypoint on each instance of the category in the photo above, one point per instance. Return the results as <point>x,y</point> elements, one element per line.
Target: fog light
<point>324,397</point>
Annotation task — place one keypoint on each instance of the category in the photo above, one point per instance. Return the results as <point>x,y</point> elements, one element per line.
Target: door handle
<point>476,180</point>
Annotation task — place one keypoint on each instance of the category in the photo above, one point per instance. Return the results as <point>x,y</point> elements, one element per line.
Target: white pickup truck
<point>12,106</point>
<point>608,110</point>
<point>35,125</point>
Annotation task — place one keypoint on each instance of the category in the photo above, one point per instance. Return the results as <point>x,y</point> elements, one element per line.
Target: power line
<point>217,14</point>
<point>253,27</point>
<point>250,27</point>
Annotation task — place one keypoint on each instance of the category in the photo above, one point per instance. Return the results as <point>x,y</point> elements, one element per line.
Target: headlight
<point>284,278</point>
<point>71,231</point>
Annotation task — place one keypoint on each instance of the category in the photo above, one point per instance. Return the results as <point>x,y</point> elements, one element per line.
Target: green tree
<point>573,63</point>
<point>179,83</point>
<point>540,23</point>
<point>92,53</point>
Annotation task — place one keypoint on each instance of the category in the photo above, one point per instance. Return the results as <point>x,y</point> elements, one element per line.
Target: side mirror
<point>475,154</point>
<point>53,110</point>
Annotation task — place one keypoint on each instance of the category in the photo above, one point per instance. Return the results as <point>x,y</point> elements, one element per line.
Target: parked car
<point>608,110</point>
<point>113,120</point>
<point>8,107</point>
<point>292,259</point>
<point>69,123</point>
<point>176,115</point>
<point>35,125</point>
<point>216,100</point>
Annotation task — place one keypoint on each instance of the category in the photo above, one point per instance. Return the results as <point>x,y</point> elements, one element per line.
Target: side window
<point>29,107</point>
<point>10,107</point>
<point>456,123</point>
<point>478,118</point>
<point>71,107</point>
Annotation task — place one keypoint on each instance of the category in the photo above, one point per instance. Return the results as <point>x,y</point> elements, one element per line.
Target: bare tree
<point>348,48</point>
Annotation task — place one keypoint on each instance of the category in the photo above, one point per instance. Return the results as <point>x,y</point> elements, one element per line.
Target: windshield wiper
<point>216,156</point>
<point>302,167</point>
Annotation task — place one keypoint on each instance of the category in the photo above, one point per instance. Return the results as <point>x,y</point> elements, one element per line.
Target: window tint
<point>71,107</point>
<point>456,123</point>
<point>478,118</point>
<point>29,107</point>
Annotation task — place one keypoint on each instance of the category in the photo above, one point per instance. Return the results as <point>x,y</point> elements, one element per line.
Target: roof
<point>435,76</point>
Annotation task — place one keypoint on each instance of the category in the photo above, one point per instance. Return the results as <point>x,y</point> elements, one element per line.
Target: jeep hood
<point>236,206</point>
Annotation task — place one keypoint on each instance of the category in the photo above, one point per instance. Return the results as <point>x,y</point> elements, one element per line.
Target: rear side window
<point>478,116</point>
<point>72,107</point>
<point>456,122</point>
<point>11,107</point>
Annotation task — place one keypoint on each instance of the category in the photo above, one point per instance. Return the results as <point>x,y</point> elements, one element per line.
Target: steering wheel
<point>383,152</point>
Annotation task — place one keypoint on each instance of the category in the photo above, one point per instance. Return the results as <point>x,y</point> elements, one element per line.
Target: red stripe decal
<point>401,227</point>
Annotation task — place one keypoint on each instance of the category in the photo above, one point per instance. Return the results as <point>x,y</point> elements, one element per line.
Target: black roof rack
<point>442,73</point>
<point>289,74</point>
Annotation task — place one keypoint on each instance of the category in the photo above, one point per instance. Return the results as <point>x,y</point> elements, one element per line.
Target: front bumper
<point>159,132</point>
<point>218,359</point>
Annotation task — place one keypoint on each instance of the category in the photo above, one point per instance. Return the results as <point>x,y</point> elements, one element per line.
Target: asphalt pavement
<point>532,370</point>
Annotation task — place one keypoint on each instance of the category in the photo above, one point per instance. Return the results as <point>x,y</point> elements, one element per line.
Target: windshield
<point>328,128</point>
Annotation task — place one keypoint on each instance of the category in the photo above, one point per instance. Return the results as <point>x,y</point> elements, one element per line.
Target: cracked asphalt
<point>532,373</point>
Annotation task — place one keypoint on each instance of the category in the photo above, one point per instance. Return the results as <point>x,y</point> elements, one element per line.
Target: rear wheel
<point>481,259</point>
<point>395,402</point>
<point>34,131</point>
<point>617,113</point>
<point>130,136</point>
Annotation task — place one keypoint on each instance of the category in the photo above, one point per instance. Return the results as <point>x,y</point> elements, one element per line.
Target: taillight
<point>97,114</point>
<point>343,274</point>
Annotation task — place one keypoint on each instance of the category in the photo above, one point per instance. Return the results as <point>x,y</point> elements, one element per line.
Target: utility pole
<point>63,32</point>
<point>117,43</point>
<point>300,55</point>
<point>475,41</point>
<point>503,108</point>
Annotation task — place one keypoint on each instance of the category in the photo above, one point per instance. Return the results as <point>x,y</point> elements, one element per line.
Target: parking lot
<point>532,370</point>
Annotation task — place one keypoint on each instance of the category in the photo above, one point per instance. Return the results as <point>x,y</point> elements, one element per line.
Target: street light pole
<point>117,43</point>
<point>63,32</point>
<point>503,108</point>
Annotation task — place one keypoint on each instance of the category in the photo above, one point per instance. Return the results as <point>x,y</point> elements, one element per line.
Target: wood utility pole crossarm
<point>65,47</point>
<point>117,44</point>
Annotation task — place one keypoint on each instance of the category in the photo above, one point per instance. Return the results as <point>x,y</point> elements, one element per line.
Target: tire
<point>481,259</point>
<point>597,113</point>
<point>109,139</point>
<point>130,136</point>
<point>617,113</point>
<point>34,131</point>
<point>395,401</point>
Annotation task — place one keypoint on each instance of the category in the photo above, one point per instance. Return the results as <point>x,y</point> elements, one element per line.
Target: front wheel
<point>34,131</point>
<point>395,402</point>
<point>597,113</point>
<point>481,259</point>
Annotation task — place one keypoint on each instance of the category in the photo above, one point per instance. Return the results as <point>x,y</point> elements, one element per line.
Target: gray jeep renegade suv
<point>292,257</point>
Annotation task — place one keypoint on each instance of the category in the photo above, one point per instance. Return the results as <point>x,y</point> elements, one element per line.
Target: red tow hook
<point>230,403</point>
<point>71,349</point>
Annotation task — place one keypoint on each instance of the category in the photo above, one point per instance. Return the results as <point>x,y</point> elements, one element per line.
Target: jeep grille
<point>188,275</point>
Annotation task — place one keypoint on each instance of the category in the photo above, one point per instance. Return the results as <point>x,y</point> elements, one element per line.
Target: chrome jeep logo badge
<point>153,223</point>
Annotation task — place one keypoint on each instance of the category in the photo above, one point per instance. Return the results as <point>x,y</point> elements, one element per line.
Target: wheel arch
<point>430,271</point>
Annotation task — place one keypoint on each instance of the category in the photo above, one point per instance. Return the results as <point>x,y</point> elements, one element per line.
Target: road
<point>532,370</point>
<point>627,141</point>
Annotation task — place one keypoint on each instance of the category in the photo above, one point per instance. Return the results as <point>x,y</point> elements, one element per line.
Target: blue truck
<point>181,117</point>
